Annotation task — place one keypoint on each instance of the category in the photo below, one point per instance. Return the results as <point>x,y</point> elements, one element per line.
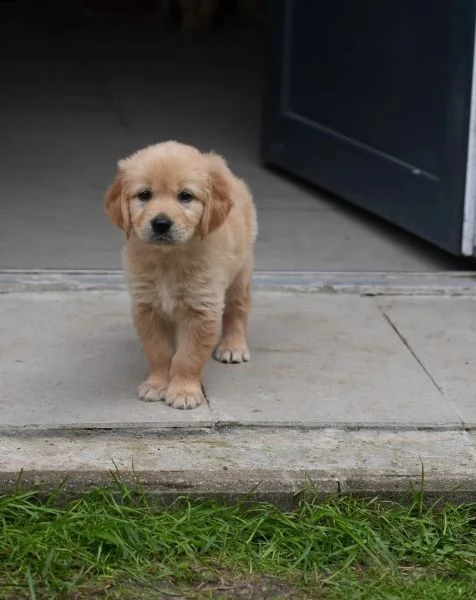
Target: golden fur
<point>187,281</point>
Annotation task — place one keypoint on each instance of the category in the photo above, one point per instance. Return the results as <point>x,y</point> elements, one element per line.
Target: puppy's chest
<point>168,299</point>
<point>172,293</point>
<point>168,294</point>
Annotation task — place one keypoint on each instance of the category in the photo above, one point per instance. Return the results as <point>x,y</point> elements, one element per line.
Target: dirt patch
<point>250,588</point>
<point>222,586</point>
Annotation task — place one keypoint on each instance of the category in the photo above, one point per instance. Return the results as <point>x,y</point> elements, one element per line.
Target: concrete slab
<point>442,334</point>
<point>72,359</point>
<point>325,360</point>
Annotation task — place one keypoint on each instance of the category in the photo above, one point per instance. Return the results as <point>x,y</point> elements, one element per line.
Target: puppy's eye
<point>185,196</point>
<point>144,195</point>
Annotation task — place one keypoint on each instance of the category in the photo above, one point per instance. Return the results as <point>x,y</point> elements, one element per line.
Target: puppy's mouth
<point>162,239</point>
<point>169,238</point>
<point>161,231</point>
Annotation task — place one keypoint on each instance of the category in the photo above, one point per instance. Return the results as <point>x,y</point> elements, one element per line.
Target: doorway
<point>85,90</point>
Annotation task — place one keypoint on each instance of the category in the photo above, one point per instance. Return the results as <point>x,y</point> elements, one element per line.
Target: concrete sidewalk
<point>355,391</point>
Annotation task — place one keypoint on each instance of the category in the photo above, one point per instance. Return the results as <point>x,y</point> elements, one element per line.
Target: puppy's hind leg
<point>233,347</point>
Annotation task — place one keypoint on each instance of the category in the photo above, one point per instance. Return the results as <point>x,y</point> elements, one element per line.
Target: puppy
<point>190,226</point>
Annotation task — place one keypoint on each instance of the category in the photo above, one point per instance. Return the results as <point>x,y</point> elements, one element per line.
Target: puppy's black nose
<point>161,224</point>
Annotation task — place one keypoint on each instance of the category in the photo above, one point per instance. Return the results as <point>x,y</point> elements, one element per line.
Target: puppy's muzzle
<point>162,230</point>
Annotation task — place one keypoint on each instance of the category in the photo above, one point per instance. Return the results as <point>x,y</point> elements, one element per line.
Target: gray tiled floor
<point>83,94</point>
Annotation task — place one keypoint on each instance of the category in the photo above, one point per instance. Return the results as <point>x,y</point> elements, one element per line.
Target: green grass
<point>111,543</point>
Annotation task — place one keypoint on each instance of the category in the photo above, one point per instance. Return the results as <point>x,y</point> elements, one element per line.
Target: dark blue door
<point>370,99</point>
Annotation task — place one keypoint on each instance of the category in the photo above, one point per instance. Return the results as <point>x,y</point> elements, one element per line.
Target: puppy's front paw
<point>232,352</point>
<point>153,390</point>
<point>184,395</point>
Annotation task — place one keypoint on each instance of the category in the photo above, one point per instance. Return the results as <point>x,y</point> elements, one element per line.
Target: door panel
<point>370,100</point>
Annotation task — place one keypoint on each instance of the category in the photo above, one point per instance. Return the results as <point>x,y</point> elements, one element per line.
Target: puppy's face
<point>169,193</point>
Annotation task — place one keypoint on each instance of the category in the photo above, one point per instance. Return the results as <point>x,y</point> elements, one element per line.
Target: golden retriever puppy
<point>190,226</point>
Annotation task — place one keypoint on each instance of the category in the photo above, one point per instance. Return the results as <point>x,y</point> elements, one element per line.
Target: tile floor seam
<point>420,362</point>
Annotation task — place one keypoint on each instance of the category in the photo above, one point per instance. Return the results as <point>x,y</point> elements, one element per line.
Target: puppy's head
<point>169,193</point>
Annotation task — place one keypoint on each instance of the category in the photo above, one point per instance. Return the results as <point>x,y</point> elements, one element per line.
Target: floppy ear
<point>116,205</point>
<point>219,201</point>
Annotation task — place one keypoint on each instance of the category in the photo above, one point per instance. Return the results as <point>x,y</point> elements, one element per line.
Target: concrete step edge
<point>273,464</point>
<point>449,283</point>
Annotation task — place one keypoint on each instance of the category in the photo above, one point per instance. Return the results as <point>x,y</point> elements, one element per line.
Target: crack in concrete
<point>408,346</point>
